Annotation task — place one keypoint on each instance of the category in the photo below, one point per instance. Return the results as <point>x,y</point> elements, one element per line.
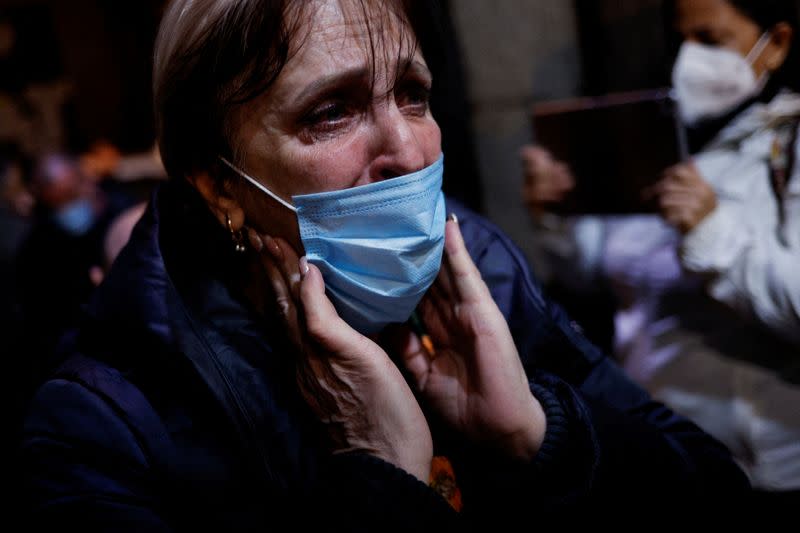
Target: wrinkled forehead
<point>333,33</point>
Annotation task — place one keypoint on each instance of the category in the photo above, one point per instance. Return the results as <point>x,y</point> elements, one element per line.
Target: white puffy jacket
<point>710,322</point>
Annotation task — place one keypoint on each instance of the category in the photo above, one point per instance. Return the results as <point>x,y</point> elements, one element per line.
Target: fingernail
<point>453,217</point>
<point>255,240</point>
<point>273,247</point>
<point>303,266</point>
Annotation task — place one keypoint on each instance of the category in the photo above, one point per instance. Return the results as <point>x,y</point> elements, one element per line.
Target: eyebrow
<point>335,80</point>
<point>353,75</point>
<point>416,67</point>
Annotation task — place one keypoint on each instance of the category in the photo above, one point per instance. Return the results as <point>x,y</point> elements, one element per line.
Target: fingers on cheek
<point>443,285</point>
<point>289,265</point>
<point>454,243</point>
<point>319,311</point>
<point>457,263</point>
<point>318,322</point>
<point>438,305</point>
<point>312,281</point>
<point>427,308</point>
<point>284,305</point>
<point>272,248</point>
<point>255,241</point>
<point>275,278</point>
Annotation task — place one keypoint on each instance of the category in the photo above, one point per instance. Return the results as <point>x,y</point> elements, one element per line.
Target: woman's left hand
<point>684,197</point>
<point>475,380</point>
<point>349,382</point>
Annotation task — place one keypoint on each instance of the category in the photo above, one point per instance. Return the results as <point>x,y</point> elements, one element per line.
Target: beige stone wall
<point>515,52</point>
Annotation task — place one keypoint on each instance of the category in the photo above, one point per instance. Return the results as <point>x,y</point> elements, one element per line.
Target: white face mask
<point>709,81</point>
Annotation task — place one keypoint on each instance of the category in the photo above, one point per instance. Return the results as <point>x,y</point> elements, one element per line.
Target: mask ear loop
<point>258,184</point>
<point>758,48</point>
<point>754,54</point>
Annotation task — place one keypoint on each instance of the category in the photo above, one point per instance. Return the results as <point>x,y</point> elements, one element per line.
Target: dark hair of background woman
<point>767,14</point>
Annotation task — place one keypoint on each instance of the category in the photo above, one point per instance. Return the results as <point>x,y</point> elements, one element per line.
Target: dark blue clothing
<point>179,409</point>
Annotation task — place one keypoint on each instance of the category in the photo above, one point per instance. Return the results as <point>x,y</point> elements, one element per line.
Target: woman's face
<point>719,23</point>
<point>329,122</point>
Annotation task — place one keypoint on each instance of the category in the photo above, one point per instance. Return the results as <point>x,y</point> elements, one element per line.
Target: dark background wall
<point>99,52</point>
<point>624,45</point>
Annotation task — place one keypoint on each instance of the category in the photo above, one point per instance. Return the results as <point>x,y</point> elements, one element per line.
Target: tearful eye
<point>414,98</point>
<point>329,113</point>
<point>327,119</point>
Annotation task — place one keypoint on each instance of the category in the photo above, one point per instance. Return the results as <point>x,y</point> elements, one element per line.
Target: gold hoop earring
<point>236,236</point>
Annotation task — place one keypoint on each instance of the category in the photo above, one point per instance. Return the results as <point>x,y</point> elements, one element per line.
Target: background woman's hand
<point>547,181</point>
<point>475,380</point>
<point>347,379</point>
<point>684,197</point>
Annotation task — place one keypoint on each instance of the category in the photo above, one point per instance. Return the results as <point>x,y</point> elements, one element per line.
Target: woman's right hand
<point>471,374</point>
<point>547,181</point>
<point>348,380</point>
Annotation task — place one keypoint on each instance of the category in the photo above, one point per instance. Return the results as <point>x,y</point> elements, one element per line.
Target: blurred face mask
<point>379,246</point>
<point>709,81</point>
<point>77,217</point>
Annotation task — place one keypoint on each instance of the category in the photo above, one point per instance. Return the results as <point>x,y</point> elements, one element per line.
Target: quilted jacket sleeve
<point>643,446</point>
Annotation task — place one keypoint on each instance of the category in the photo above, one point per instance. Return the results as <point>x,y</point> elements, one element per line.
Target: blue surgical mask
<point>77,217</point>
<point>378,246</point>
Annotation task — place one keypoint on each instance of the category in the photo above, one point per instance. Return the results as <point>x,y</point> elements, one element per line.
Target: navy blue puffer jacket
<point>178,409</point>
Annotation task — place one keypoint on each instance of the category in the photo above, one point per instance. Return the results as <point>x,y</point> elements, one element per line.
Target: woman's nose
<point>397,148</point>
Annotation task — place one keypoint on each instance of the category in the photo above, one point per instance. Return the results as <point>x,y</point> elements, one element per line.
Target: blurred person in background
<point>116,237</point>
<point>70,219</point>
<point>16,204</point>
<point>708,291</point>
<point>53,308</point>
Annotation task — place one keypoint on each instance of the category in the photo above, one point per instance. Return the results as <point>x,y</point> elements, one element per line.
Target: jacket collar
<point>759,116</point>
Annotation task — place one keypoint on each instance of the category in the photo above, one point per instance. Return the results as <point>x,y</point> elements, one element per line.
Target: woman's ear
<point>222,205</point>
<point>782,36</point>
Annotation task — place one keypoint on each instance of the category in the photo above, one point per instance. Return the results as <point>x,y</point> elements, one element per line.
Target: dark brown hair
<point>212,56</point>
